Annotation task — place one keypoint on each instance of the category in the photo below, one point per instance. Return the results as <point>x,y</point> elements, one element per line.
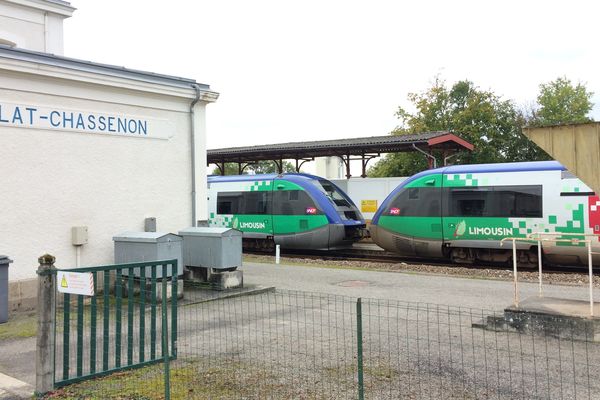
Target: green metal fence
<point>124,325</point>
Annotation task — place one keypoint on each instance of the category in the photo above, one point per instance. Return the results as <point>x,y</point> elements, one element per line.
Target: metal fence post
<point>359,349</point>
<point>46,309</point>
<point>165,333</point>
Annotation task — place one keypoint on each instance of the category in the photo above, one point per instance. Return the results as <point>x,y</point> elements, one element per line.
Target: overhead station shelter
<point>361,149</point>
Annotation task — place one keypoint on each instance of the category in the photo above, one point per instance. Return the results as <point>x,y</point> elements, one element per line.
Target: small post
<point>46,310</point>
<point>277,254</point>
<point>591,276</point>
<point>359,349</point>
<point>165,333</point>
<point>514,253</point>
<point>539,249</point>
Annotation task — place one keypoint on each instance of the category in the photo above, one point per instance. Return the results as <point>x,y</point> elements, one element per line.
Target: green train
<point>462,212</point>
<point>296,211</point>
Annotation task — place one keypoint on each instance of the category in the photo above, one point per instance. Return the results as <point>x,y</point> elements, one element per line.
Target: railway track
<point>381,256</point>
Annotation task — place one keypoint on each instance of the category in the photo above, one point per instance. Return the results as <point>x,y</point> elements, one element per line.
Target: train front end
<point>345,223</point>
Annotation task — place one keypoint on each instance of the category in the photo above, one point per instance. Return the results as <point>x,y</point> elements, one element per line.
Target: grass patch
<point>19,326</point>
<point>190,379</point>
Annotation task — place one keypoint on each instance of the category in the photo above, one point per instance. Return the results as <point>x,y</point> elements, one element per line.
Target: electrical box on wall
<point>150,224</point>
<point>79,235</point>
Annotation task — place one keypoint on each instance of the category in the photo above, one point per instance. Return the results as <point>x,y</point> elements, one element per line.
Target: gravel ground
<point>549,278</point>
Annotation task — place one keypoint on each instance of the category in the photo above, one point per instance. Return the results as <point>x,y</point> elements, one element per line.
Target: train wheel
<point>460,255</point>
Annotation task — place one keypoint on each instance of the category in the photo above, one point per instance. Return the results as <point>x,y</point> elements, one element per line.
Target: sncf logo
<point>311,210</point>
<point>394,211</point>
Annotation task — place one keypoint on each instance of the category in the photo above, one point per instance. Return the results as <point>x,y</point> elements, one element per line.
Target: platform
<point>550,316</point>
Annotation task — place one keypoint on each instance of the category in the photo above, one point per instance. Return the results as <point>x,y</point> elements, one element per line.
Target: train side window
<point>495,201</point>
<point>256,203</point>
<point>416,202</point>
<point>468,202</point>
<point>229,202</point>
<point>293,202</point>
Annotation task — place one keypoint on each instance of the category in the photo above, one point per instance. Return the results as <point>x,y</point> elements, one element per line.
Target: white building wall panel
<point>53,180</point>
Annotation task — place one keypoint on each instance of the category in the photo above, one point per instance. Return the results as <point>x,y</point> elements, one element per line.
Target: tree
<point>561,102</point>
<point>261,167</point>
<point>491,124</point>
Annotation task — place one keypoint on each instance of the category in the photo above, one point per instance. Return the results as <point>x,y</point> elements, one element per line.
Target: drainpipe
<point>193,149</point>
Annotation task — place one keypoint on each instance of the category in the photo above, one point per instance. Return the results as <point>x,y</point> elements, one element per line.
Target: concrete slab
<point>13,389</point>
<point>195,293</point>
<point>548,316</point>
<point>556,306</point>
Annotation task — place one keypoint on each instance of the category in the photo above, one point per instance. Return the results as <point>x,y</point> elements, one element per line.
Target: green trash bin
<point>4,261</point>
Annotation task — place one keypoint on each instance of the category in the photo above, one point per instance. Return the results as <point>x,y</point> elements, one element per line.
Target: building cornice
<point>41,64</point>
<point>54,6</point>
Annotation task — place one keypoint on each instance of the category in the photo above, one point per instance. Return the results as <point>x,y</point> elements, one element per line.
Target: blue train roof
<point>472,168</point>
<point>258,177</point>
<point>501,167</point>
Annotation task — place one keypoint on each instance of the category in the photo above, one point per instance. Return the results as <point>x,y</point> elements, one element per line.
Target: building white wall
<point>35,25</point>
<point>54,179</point>
<point>367,193</point>
<point>329,167</point>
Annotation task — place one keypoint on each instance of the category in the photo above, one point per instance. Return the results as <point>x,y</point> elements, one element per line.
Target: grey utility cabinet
<point>4,261</point>
<point>132,247</point>
<point>219,248</point>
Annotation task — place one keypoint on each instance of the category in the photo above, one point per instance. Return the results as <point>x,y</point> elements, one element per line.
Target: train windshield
<point>346,209</point>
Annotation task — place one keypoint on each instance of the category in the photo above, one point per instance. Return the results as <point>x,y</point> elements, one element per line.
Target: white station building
<point>88,148</point>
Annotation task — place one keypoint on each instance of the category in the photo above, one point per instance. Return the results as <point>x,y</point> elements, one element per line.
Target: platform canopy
<point>363,149</point>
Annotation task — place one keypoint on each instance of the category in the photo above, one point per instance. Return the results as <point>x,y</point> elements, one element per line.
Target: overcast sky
<point>311,70</point>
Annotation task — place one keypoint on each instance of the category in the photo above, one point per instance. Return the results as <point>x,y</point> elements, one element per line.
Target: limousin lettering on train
<point>487,231</point>
<point>252,225</point>
<point>43,118</point>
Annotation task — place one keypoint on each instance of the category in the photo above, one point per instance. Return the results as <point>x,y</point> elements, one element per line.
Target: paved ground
<point>463,292</point>
<point>17,356</point>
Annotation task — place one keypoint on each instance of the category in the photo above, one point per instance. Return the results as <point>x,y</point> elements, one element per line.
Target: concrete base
<point>227,280</point>
<point>148,287</point>
<point>548,316</point>
<point>22,295</point>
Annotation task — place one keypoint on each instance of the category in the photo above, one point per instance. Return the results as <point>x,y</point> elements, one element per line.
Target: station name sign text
<point>27,116</point>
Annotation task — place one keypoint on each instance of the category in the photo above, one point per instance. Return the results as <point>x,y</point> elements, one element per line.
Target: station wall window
<point>494,201</point>
<point>416,202</point>
<point>293,202</point>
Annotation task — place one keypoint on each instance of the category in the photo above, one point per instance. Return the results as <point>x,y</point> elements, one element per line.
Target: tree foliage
<point>491,124</point>
<point>261,167</point>
<point>562,102</point>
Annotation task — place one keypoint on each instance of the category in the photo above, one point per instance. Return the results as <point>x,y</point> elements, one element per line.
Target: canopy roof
<point>361,148</point>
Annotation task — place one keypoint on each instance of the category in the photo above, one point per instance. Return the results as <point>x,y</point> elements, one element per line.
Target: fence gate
<point>130,320</point>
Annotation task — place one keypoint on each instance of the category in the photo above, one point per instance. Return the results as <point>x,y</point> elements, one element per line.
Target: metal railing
<point>538,238</point>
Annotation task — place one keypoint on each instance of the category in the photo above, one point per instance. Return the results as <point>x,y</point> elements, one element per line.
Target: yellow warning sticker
<point>368,205</point>
<point>75,282</point>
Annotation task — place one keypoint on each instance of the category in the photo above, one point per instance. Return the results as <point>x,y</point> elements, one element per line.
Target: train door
<point>298,221</point>
<point>414,215</point>
<point>255,218</point>
<point>247,209</point>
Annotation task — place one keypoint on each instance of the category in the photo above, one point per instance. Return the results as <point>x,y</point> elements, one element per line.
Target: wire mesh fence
<point>296,345</point>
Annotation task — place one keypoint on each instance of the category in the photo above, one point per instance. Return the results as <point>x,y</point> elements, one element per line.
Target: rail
<point>538,237</point>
